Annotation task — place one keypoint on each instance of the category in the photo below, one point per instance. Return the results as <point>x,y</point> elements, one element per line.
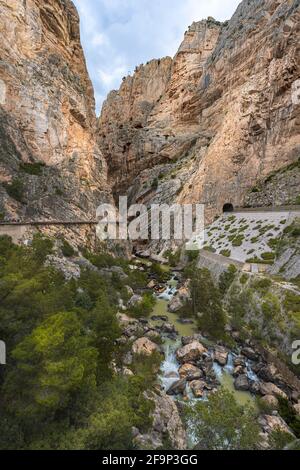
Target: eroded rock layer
<point>226,108</point>
<point>51,164</point>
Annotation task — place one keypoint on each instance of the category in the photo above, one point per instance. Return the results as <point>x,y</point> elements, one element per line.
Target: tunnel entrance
<point>228,207</point>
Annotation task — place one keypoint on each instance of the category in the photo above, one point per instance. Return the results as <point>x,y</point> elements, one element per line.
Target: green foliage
<point>238,240</point>
<point>192,255</point>
<point>53,363</point>
<point>35,169</point>
<point>226,253</point>
<point>220,423</point>
<point>268,256</point>
<point>15,189</point>
<point>173,257</point>
<point>244,279</point>
<point>206,303</point>
<point>289,415</point>
<point>292,302</point>
<point>67,250</point>
<point>58,388</point>
<point>279,439</point>
<point>143,308</point>
<point>227,278</point>
<point>261,284</point>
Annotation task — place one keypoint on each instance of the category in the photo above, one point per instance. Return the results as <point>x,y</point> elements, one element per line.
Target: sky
<point>118,35</point>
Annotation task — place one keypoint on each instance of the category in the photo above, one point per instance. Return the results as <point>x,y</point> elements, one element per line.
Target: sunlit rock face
<point>225,107</point>
<point>47,113</point>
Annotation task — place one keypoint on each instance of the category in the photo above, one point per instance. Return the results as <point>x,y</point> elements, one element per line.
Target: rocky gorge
<point>217,124</point>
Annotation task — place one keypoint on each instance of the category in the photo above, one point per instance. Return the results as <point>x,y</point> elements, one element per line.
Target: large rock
<point>166,423</point>
<point>197,387</point>
<point>47,118</point>
<point>191,352</point>
<point>270,401</point>
<point>268,388</point>
<point>221,355</point>
<point>242,383</point>
<point>180,298</point>
<point>144,346</point>
<point>177,388</point>
<point>190,339</point>
<point>250,353</point>
<point>272,423</point>
<point>172,108</point>
<point>190,372</point>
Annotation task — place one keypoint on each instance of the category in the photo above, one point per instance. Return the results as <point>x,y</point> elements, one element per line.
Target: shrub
<point>15,189</point>
<point>238,241</point>
<point>268,256</point>
<point>35,169</point>
<point>67,250</point>
<point>192,255</point>
<point>226,253</point>
<point>145,307</point>
<point>227,278</point>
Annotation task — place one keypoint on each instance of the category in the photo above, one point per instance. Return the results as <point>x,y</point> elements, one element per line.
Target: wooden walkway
<point>46,223</point>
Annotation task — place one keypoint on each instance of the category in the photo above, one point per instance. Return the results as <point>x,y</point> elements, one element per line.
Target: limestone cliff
<point>226,112</point>
<point>51,165</point>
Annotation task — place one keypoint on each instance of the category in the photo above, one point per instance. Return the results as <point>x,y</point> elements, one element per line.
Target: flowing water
<point>169,368</point>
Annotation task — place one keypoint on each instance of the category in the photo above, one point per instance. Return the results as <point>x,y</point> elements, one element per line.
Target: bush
<point>67,250</point>
<point>220,423</point>
<point>226,279</point>
<point>35,169</point>
<point>192,255</point>
<point>145,307</point>
<point>226,253</point>
<point>15,189</point>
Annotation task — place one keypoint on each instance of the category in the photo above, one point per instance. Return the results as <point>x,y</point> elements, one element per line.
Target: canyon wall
<point>226,115</point>
<point>50,162</point>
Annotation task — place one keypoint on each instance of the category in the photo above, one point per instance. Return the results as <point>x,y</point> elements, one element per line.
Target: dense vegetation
<point>206,302</point>
<point>59,389</point>
<point>220,423</point>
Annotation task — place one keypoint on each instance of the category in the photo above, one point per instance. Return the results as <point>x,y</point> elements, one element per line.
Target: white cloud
<point>117,35</point>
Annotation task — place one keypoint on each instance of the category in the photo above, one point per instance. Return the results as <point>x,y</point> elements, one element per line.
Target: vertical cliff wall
<point>51,165</point>
<point>226,112</point>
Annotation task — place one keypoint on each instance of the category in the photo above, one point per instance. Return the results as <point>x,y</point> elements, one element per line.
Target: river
<point>170,365</point>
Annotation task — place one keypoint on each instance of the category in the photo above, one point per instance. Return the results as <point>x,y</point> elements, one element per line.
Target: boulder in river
<point>180,298</point>
<point>239,361</point>
<point>197,387</point>
<point>177,388</point>
<point>191,352</point>
<point>239,370</point>
<point>144,346</point>
<point>250,354</point>
<point>221,356</point>
<point>189,339</point>
<point>190,372</point>
<point>241,383</point>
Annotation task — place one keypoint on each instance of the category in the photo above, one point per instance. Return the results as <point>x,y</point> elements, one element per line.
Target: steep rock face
<point>227,112</point>
<point>51,165</point>
<point>122,127</point>
<point>145,123</point>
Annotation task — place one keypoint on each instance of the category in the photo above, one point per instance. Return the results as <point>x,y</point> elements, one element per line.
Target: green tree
<point>206,303</point>
<point>53,364</point>
<point>220,423</point>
